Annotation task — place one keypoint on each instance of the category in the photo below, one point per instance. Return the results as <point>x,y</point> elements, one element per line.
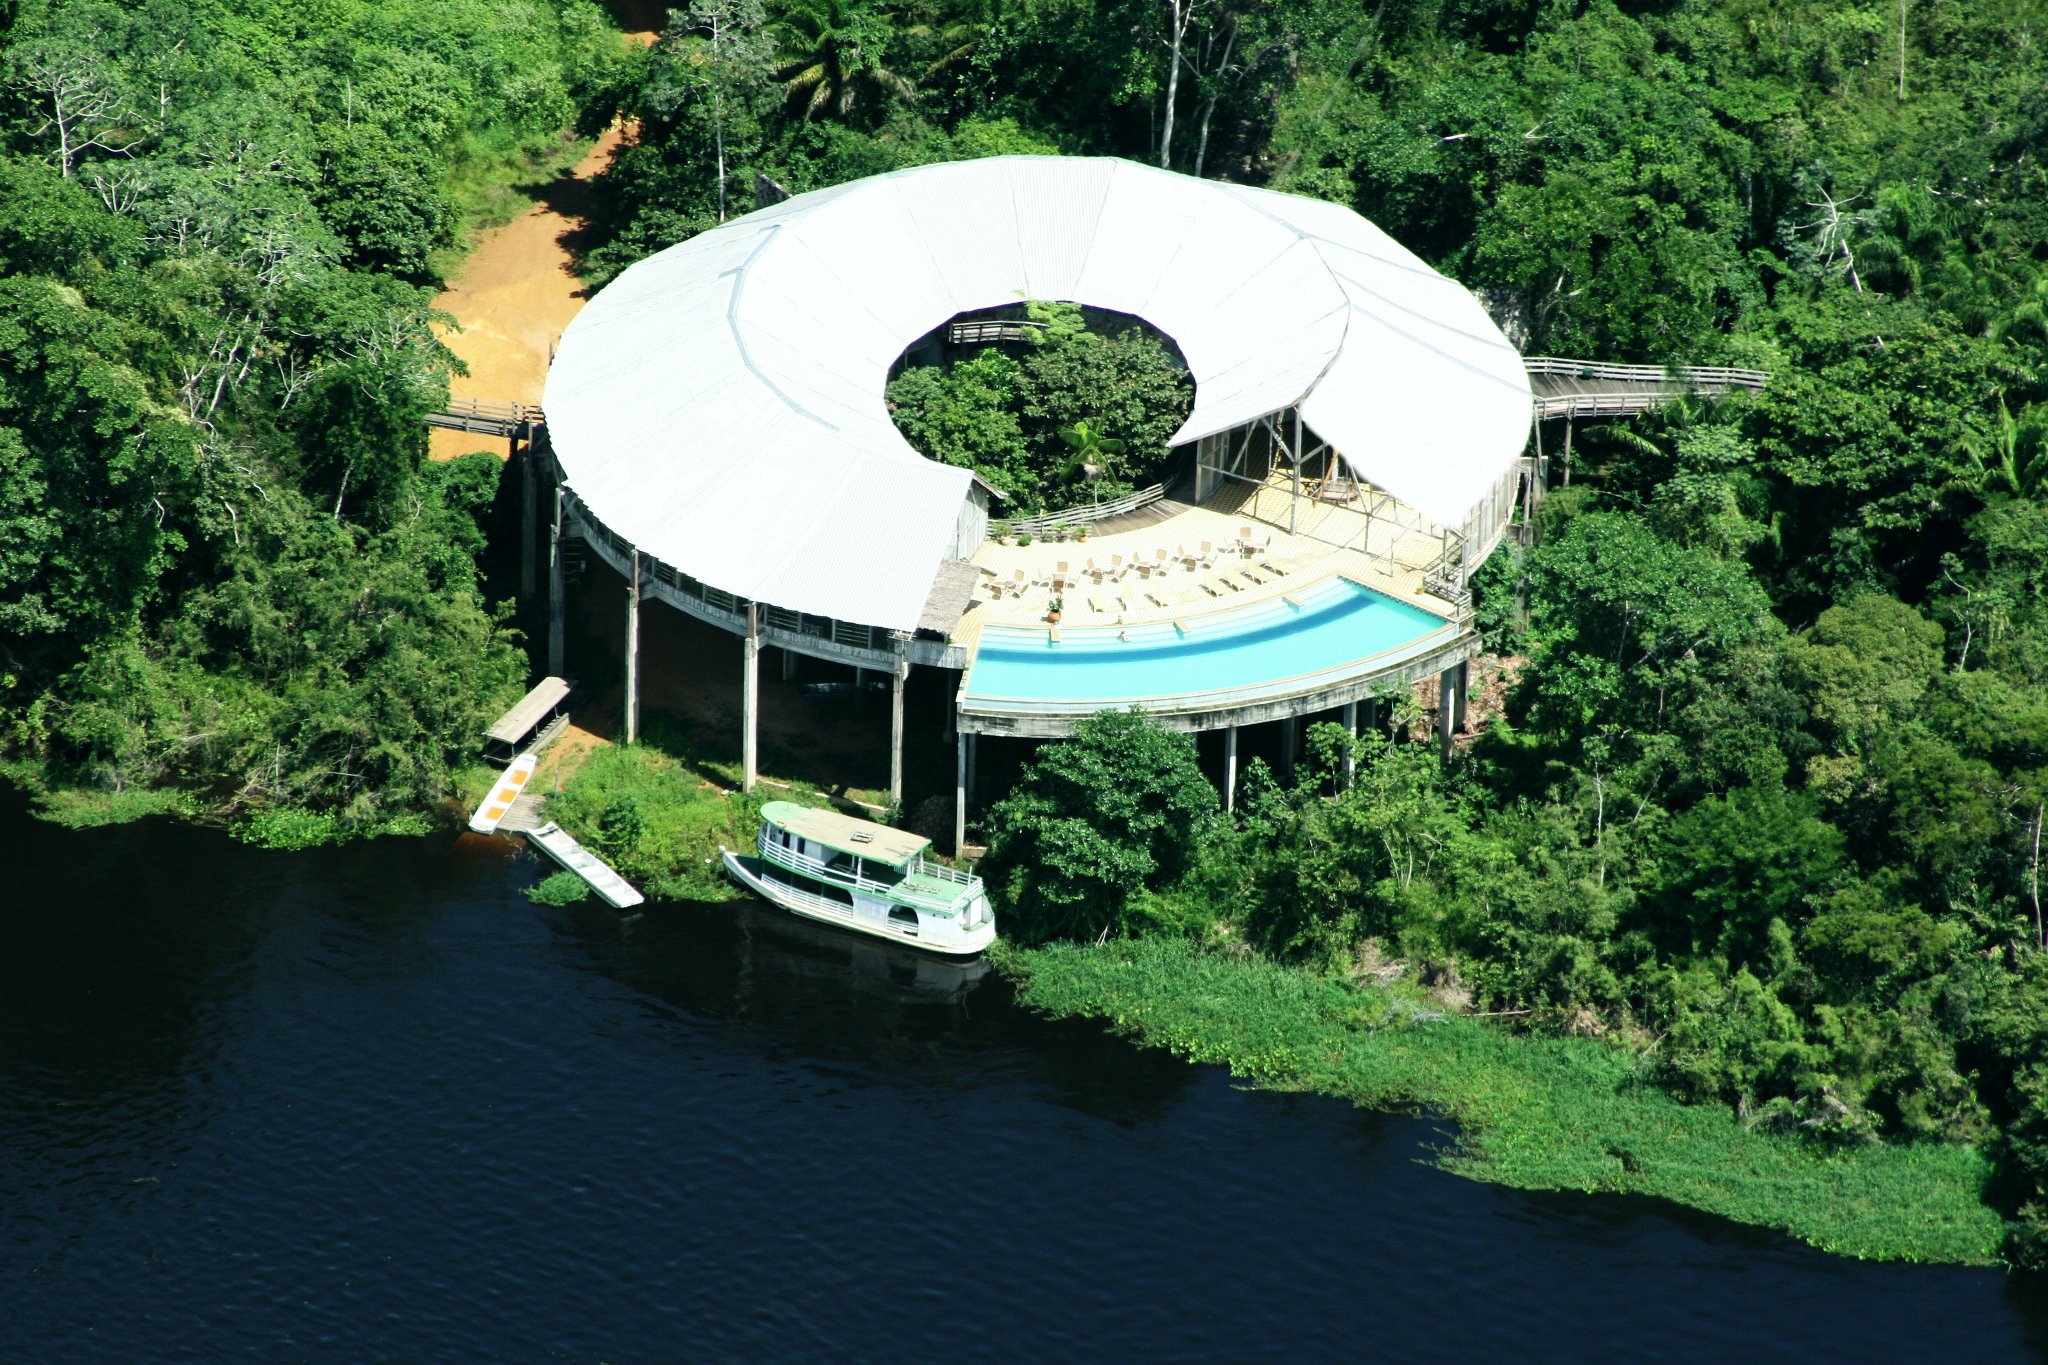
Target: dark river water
<point>371,1104</point>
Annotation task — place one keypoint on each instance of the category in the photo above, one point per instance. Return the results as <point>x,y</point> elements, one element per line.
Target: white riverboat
<point>866,877</point>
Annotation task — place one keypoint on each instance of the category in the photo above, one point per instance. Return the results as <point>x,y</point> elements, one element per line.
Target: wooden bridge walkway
<point>488,417</point>
<point>1590,388</point>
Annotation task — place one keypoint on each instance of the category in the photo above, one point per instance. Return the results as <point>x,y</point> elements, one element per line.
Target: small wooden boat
<point>866,877</point>
<point>504,792</point>
<point>556,842</point>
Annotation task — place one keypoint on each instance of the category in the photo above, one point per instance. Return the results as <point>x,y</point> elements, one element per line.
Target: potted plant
<point>1023,537</point>
<point>1081,533</point>
<point>1053,609</point>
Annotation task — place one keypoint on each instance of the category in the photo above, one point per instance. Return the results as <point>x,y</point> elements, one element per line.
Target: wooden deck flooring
<point>1327,539</point>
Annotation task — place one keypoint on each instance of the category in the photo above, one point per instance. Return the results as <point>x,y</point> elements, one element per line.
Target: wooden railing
<point>487,417</point>
<point>1693,376</point>
<point>1078,516</point>
<point>986,333</point>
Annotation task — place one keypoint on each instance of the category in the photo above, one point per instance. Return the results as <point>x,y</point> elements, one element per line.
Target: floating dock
<point>554,841</point>
<point>504,794</point>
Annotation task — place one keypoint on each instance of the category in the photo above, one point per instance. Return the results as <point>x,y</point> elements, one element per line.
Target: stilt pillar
<point>750,700</point>
<point>557,589</point>
<point>1294,498</point>
<point>1351,749</point>
<point>900,676</point>
<point>633,652</point>
<point>1287,748</point>
<point>1446,705</point>
<point>1464,685</point>
<point>788,665</point>
<point>1229,769</point>
<point>529,525</point>
<point>960,793</point>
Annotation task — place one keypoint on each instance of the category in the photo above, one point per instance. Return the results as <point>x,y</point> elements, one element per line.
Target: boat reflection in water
<point>787,945</point>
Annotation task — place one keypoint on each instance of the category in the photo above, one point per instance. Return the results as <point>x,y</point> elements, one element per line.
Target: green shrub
<point>561,887</point>
<point>291,827</point>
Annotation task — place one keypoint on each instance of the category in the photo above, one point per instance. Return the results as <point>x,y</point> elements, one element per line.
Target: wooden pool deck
<point>1183,580</point>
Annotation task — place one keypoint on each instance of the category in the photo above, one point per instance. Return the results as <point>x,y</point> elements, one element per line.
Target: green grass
<point>1536,1113</point>
<point>77,808</point>
<point>668,846</point>
<point>494,177</point>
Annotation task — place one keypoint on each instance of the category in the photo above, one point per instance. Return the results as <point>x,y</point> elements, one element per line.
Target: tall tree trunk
<point>1182,9</point>
<point>1209,105</point>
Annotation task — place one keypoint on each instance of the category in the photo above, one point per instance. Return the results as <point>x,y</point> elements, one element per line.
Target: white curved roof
<point>720,404</point>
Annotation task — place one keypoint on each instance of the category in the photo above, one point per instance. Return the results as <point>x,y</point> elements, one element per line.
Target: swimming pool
<point>1273,648</point>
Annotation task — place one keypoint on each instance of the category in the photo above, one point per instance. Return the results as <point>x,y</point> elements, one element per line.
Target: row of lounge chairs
<point>1159,563</point>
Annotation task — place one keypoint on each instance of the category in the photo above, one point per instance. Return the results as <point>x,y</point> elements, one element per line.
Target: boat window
<point>903,917</point>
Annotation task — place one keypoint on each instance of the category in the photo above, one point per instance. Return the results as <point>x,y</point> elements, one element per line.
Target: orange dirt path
<point>516,293</point>
<point>513,297</point>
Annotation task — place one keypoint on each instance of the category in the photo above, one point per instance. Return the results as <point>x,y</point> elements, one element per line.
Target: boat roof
<point>844,834</point>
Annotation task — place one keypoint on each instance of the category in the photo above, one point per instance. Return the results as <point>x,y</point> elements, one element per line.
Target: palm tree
<point>1091,452</point>
<point>2015,456</point>
<point>832,53</point>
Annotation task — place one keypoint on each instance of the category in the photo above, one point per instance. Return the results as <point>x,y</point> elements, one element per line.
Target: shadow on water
<point>837,996</point>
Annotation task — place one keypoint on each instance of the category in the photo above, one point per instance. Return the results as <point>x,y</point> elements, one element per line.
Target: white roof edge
<point>719,405</point>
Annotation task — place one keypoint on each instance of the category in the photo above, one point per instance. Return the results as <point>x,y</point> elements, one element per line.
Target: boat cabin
<point>859,854</point>
<point>857,849</point>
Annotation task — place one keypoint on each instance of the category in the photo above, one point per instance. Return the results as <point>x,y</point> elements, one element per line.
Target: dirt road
<point>516,292</point>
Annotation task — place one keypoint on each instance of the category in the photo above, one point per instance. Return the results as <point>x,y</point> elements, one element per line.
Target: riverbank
<point>1533,1113</point>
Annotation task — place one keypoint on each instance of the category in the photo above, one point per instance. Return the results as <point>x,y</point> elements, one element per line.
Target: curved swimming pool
<point>1321,633</point>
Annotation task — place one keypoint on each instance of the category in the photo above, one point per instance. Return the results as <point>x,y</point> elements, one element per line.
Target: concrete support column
<point>902,674</point>
<point>973,762</point>
<point>1446,707</point>
<point>1351,728</point>
<point>788,665</point>
<point>557,588</point>
<point>1287,748</point>
<point>529,525</point>
<point>1229,769</point>
<point>750,700</point>
<point>633,652</point>
<point>960,793</point>
<point>1458,701</point>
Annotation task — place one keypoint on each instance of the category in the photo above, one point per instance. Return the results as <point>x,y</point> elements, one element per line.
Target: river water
<point>371,1104</point>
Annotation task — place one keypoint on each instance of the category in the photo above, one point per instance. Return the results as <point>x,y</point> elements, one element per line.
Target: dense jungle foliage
<point>226,571</point>
<point>1767,800</point>
<point>1084,410</point>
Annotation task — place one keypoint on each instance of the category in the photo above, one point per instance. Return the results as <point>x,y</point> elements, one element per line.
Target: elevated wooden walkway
<point>488,417</point>
<point>1589,388</point>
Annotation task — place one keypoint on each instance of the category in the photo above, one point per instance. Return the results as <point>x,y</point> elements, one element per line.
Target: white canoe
<point>554,841</point>
<point>503,793</point>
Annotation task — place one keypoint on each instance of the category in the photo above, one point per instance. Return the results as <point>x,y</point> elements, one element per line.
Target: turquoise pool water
<point>1274,646</point>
